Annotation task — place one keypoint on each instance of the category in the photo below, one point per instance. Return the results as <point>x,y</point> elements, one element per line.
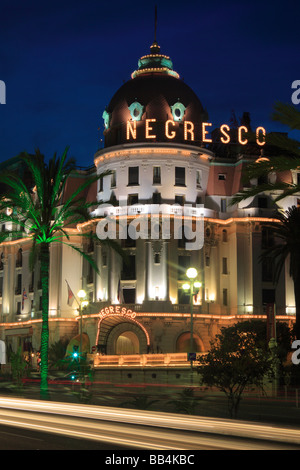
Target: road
<point>110,428</point>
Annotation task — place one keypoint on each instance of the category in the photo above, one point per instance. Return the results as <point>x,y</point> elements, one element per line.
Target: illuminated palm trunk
<point>45,263</point>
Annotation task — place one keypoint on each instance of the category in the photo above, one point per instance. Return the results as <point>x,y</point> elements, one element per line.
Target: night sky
<point>62,61</point>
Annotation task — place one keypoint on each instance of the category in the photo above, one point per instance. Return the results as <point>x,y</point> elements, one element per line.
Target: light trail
<point>160,430</point>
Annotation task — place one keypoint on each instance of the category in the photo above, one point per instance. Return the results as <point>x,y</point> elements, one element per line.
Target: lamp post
<point>191,274</point>
<point>82,303</point>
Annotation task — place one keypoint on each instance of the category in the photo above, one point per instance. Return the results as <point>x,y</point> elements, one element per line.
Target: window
<point>224,266</point>
<point>156,175</point>
<point>129,272</point>
<point>179,200</point>
<point>1,286</point>
<point>179,176</point>
<point>104,260</point>
<point>156,198</point>
<point>223,205</point>
<point>224,236</point>
<point>267,269</point>
<point>18,284</point>
<point>221,176</point>
<point>133,199</point>
<point>31,285</point>
<point>18,308</point>
<point>262,202</point>
<point>113,181</point>
<point>184,263</point>
<point>19,258</point>
<point>156,258</point>
<point>198,179</point>
<point>133,175</point>
<point>225,297</point>
<point>268,296</point>
<point>267,238</point>
<point>90,274</point>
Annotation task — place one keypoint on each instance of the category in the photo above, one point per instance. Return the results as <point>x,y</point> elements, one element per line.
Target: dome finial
<point>155,48</point>
<point>155,23</point>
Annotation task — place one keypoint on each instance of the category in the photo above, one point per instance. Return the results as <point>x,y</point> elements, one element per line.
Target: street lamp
<point>191,274</point>
<point>82,303</point>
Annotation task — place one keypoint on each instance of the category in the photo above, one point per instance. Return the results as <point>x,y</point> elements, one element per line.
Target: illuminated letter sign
<point>131,131</point>
<point>263,130</point>
<point>204,131</point>
<point>168,134</point>
<point>240,129</point>
<point>116,310</point>
<point>149,128</point>
<point>222,129</point>
<point>188,129</point>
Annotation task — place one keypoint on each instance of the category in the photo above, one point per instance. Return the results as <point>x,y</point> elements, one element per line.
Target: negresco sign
<point>191,131</point>
<point>116,310</point>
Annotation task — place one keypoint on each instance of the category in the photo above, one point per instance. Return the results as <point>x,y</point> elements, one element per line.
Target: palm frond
<point>286,114</point>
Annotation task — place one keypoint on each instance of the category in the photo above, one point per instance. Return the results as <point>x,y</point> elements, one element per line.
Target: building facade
<point>166,202</point>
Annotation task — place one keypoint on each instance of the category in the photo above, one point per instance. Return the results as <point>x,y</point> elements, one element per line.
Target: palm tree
<point>285,156</point>
<point>41,212</point>
<point>287,246</point>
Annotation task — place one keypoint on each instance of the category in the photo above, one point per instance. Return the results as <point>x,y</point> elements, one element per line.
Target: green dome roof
<point>155,62</point>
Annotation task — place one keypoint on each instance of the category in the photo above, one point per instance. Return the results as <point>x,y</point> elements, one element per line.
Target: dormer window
<point>136,111</point>
<point>178,110</point>
<point>106,118</point>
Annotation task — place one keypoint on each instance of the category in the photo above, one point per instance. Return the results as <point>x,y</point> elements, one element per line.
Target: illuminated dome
<point>155,92</point>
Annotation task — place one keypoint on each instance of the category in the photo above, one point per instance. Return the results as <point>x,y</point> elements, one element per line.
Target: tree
<point>234,362</point>
<point>38,210</point>
<point>285,155</point>
<point>287,247</point>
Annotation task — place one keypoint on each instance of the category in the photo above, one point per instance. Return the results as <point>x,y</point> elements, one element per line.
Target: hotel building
<point>171,174</point>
